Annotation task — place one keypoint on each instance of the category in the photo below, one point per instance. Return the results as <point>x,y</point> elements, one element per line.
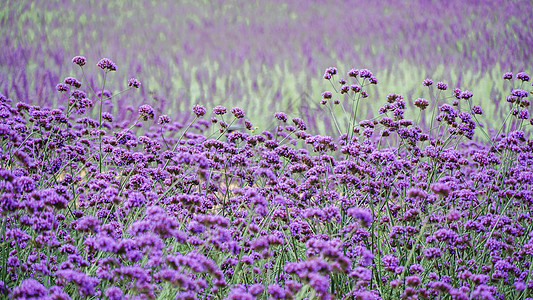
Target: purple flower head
<point>390,262</point>
<point>427,82</point>
<point>276,291</point>
<point>146,112</point>
<point>508,76</point>
<point>256,289</point>
<point>327,95</point>
<point>442,86</point>
<point>219,110</point>
<point>520,93</point>
<point>62,87</point>
<point>299,123</point>
<point>364,215</point>
<point>79,60</point>
<point>163,119</point>
<point>281,116</point>
<point>107,65</point>
<point>114,293</point>
<point>476,110</point>
<point>440,189</point>
<point>237,112</point>
<point>466,94</point>
<point>421,103</point>
<point>72,82</point>
<point>522,76</point>
<point>30,289</point>
<point>199,110</point>
<point>330,71</point>
<point>353,73</point>
<point>134,83</point>
<point>365,73</point>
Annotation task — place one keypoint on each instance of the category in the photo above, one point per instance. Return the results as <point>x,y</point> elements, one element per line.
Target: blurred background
<point>263,56</point>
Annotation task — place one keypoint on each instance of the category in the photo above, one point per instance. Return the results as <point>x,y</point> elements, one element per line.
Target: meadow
<point>266,150</point>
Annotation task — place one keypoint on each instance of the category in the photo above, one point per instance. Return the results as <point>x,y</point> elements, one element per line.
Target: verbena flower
<point>107,65</point>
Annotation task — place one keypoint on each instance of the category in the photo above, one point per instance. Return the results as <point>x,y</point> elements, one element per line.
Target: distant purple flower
<point>219,110</point>
<point>62,87</point>
<point>107,64</point>
<point>427,82</point>
<point>353,73</point>
<point>522,76</point>
<point>421,103</point>
<point>276,291</point>
<point>30,289</point>
<point>373,80</point>
<point>440,189</point>
<point>412,280</point>
<point>256,289</point>
<point>73,82</point>
<point>365,73</point>
<point>476,110</point>
<point>330,72</point>
<point>327,95</point>
<point>134,83</point>
<point>364,215</point>
<point>466,94</point>
<point>299,123</point>
<point>523,114</point>
<point>146,112</point>
<point>238,112</point>
<point>508,76</point>
<point>79,60</point>
<point>442,86</point>
<point>163,119</point>
<point>199,110</point>
<point>114,293</point>
<point>281,116</point>
<point>520,93</point>
<point>390,262</point>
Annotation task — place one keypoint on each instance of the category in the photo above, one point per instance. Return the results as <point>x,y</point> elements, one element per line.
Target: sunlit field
<point>266,150</point>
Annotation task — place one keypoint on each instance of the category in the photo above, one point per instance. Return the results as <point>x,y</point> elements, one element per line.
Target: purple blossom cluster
<point>208,209</point>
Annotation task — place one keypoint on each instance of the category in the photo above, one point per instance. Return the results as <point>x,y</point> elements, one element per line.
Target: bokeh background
<point>263,56</point>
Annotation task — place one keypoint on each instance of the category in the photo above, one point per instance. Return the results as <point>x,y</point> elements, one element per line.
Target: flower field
<point>208,150</point>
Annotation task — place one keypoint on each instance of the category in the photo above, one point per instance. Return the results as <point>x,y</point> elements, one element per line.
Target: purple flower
<point>79,60</point>
<point>390,262</point>
<point>441,189</point>
<point>29,289</point>
<point>508,76</point>
<point>107,64</point>
<point>299,123</point>
<point>522,76</point>
<point>427,82</point>
<point>164,119</point>
<point>72,82</point>
<point>442,86</point>
<point>364,215</point>
<point>281,116</point>
<point>114,293</point>
<point>134,83</point>
<point>276,291</point>
<point>199,110</point>
<point>219,110</point>
<point>520,93</point>
<point>237,112</point>
<point>62,87</point>
<point>421,103</point>
<point>146,112</point>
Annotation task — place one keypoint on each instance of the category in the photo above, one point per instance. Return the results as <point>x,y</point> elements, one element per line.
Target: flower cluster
<point>111,209</point>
